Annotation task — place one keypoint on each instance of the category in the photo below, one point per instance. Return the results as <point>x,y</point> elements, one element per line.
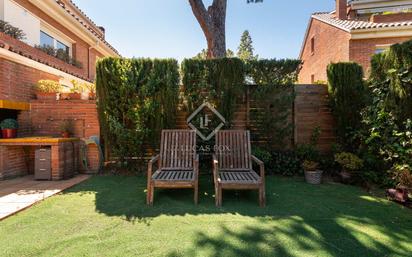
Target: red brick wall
<point>396,17</point>
<point>16,81</point>
<point>12,162</point>
<point>46,117</point>
<point>28,51</point>
<point>331,45</point>
<point>81,48</point>
<point>361,50</point>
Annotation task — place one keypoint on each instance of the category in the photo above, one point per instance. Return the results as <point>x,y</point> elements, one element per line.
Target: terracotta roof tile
<point>352,25</point>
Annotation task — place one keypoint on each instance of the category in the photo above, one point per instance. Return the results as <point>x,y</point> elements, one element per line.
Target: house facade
<point>355,31</point>
<point>62,44</point>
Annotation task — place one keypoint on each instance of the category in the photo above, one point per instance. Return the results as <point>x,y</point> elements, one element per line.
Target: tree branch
<point>201,14</point>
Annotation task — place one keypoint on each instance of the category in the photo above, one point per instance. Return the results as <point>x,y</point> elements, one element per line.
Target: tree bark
<point>213,23</point>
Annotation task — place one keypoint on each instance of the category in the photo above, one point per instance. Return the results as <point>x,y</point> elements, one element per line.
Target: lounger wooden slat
<point>178,165</point>
<point>232,165</point>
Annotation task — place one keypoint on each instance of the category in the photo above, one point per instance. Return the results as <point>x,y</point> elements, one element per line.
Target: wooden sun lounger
<point>232,165</point>
<point>178,163</point>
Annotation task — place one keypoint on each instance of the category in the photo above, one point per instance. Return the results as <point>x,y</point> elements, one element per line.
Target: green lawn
<point>107,216</point>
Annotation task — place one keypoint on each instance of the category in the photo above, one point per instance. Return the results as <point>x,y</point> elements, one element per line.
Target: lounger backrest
<point>233,150</point>
<point>177,149</point>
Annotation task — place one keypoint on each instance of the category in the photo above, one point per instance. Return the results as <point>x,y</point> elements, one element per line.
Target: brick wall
<point>80,48</point>
<point>16,81</point>
<point>35,54</point>
<point>395,17</point>
<point>330,45</point>
<point>362,50</point>
<point>46,117</point>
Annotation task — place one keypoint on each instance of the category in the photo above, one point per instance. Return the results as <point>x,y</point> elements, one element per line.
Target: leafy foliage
<point>387,133</point>
<point>347,93</point>
<point>286,163</point>
<point>9,124</point>
<point>349,161</point>
<point>48,86</point>
<point>217,81</point>
<point>12,31</point>
<point>274,95</point>
<point>137,98</point>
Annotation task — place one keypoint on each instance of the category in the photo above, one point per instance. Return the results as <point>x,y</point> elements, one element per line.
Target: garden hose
<point>93,140</point>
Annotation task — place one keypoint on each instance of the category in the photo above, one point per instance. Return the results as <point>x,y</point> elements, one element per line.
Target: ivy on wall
<point>274,96</point>
<point>217,81</point>
<point>137,98</point>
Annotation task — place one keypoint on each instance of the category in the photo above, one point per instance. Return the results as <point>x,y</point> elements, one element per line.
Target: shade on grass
<point>107,216</point>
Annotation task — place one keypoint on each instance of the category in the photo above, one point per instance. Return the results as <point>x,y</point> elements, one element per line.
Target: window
<point>62,46</point>
<point>47,40</point>
<point>312,78</point>
<point>312,45</point>
<point>381,48</point>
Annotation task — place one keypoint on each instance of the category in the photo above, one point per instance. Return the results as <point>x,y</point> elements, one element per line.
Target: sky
<point>168,29</point>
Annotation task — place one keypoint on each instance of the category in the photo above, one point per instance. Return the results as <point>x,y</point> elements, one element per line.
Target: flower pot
<point>92,96</point>
<point>65,96</point>
<point>46,96</point>
<point>84,96</point>
<point>313,177</point>
<point>65,134</point>
<point>75,96</point>
<point>9,133</point>
<point>398,194</point>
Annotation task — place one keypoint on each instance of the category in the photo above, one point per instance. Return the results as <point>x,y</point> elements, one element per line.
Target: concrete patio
<point>21,193</point>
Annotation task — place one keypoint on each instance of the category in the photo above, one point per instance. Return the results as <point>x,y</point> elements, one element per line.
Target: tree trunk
<point>213,23</point>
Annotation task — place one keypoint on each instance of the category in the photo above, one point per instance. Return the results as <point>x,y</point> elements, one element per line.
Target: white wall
<point>1,9</point>
<point>24,20</point>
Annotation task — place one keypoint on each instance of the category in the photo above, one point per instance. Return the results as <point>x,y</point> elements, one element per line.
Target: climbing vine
<point>136,99</point>
<point>217,81</point>
<point>273,97</point>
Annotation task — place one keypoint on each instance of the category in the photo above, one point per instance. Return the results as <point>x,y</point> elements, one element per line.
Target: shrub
<point>347,93</point>
<point>262,155</point>
<point>137,99</point>
<point>349,161</point>
<point>402,175</point>
<point>12,31</point>
<point>48,86</point>
<point>310,165</point>
<point>286,163</point>
<point>9,124</point>
<point>60,54</point>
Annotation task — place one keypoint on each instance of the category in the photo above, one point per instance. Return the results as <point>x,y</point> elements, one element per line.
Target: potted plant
<point>9,128</point>
<point>92,91</point>
<point>47,89</point>
<point>77,91</point>
<point>312,174</point>
<point>66,128</point>
<point>350,164</point>
<point>402,174</point>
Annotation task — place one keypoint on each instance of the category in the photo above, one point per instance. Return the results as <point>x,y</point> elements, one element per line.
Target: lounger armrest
<point>150,165</point>
<point>261,166</point>
<point>215,168</point>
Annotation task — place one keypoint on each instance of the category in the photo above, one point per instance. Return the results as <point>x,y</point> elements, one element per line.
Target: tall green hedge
<point>392,73</point>
<point>347,92</point>
<point>136,99</point>
<point>217,81</point>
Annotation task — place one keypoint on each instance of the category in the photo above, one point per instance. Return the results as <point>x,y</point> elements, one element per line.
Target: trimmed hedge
<point>347,92</point>
<point>137,98</point>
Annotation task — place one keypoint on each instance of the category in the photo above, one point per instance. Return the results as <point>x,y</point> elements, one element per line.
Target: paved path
<point>21,193</point>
